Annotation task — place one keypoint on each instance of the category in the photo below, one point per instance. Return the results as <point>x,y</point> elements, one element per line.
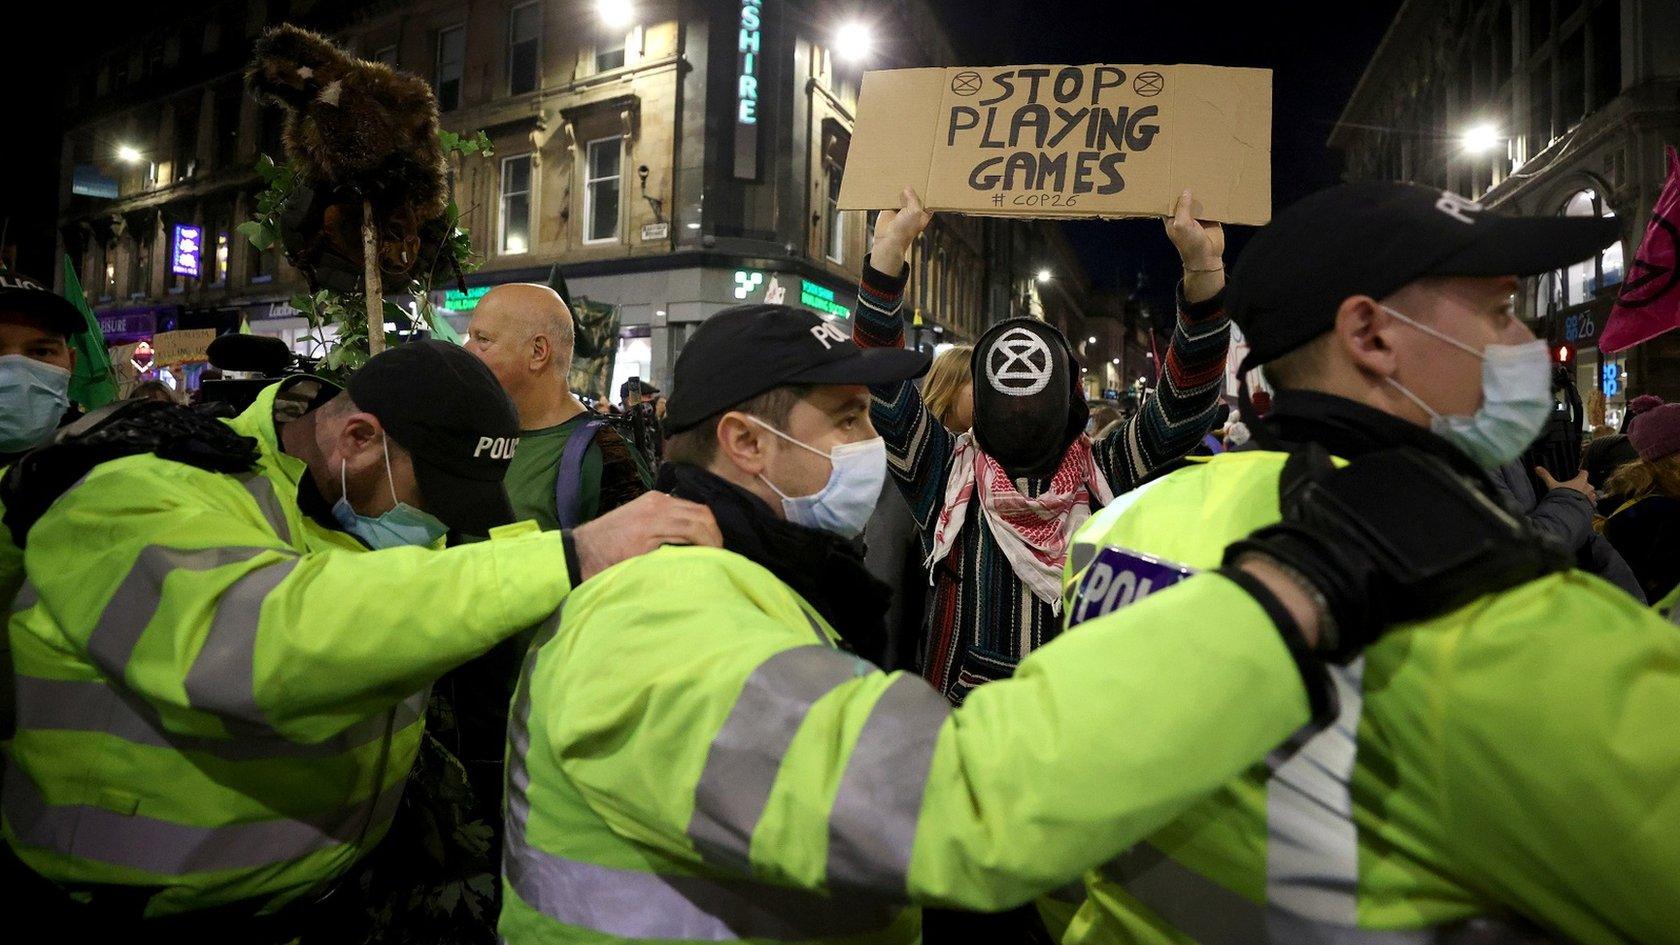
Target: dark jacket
<point>1568,516</point>
<point>1647,534</point>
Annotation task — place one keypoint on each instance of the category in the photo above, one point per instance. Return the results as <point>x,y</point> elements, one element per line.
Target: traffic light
<point>1565,354</point>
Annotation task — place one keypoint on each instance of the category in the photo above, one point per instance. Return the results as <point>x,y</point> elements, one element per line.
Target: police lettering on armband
<point>1117,577</point>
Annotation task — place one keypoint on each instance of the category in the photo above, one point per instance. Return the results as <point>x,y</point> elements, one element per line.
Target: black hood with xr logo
<point>1028,407</point>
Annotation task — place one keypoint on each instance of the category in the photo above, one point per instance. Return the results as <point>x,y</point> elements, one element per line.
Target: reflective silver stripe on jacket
<point>26,598</point>
<point>635,904</point>
<point>222,679</point>
<point>262,490</point>
<point>1210,914</point>
<point>1312,843</point>
<point>872,826</point>
<point>1312,854</point>
<point>638,905</point>
<point>747,752</point>
<point>138,842</point>
<point>72,705</point>
<point>136,600</point>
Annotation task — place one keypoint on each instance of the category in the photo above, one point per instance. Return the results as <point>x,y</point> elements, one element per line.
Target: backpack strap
<point>568,483</point>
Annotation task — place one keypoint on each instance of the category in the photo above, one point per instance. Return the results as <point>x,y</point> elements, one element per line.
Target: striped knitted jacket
<point>983,620</point>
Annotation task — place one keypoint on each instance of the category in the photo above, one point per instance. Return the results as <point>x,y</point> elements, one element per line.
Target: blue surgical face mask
<point>402,525</point>
<point>853,488</point>
<point>1516,400</point>
<point>33,397</point>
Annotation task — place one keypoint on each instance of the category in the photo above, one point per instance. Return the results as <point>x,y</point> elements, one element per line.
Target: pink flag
<point>1649,303</point>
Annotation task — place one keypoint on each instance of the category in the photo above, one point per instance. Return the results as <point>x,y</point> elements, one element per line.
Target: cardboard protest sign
<point>179,347</point>
<point>1065,141</point>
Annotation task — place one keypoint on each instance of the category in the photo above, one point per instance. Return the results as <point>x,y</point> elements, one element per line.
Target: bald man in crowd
<point>570,465</point>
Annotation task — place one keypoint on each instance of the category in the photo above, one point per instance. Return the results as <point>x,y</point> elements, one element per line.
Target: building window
<point>185,154</point>
<point>219,273</point>
<point>387,55</point>
<point>524,29</point>
<point>1584,280</point>
<point>834,228</point>
<point>1606,67</point>
<point>610,54</point>
<point>1571,65</point>
<point>516,204</point>
<point>1501,45</point>
<point>226,125</point>
<point>451,60</point>
<point>1540,108</point>
<point>601,189</point>
<point>140,282</point>
<point>1539,24</point>
<point>273,134</point>
<point>261,265</point>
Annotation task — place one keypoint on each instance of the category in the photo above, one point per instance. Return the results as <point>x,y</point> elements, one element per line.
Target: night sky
<point>1312,81</point>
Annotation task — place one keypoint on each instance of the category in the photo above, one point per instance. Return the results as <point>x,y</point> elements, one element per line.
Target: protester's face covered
<point>35,366</point>
<point>1026,408</point>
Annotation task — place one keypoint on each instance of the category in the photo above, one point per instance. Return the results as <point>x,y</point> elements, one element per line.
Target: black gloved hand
<point>1394,536</point>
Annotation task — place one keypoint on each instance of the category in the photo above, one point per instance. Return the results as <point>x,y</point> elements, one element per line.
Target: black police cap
<point>744,351</point>
<point>25,296</point>
<point>448,411</point>
<point>1373,238</point>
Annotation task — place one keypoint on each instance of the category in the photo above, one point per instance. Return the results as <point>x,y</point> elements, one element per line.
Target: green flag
<point>93,384</point>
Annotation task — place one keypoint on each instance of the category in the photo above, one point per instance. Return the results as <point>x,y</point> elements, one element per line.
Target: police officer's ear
<point>359,443</point>
<point>1364,334</point>
<point>742,443</point>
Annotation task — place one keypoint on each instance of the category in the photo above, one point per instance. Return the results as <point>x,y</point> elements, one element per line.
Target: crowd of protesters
<point>709,675</point>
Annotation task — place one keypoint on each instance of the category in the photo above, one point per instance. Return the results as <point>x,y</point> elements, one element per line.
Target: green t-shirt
<point>536,464</point>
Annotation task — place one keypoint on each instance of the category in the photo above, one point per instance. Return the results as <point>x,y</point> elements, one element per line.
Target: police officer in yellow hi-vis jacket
<point>1509,764</point>
<point>227,632</point>
<point>694,755</point>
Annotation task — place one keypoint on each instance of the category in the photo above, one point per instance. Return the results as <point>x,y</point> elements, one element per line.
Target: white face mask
<point>1516,400</point>
<point>848,499</point>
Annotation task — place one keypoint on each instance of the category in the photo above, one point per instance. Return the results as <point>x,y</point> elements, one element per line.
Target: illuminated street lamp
<point>128,154</point>
<point>1480,139</point>
<point>853,41</point>
<point>1044,275</point>
<point>1091,340</point>
<point>616,14</point>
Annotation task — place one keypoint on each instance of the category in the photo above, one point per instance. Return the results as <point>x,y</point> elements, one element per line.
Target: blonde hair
<point>945,379</point>
<point>1638,478</point>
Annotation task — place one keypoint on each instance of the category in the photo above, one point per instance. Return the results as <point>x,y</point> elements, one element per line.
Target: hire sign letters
<point>1065,141</point>
<point>749,47</point>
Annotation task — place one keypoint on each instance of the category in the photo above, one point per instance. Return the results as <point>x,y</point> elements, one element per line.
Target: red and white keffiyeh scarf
<point>1032,531</point>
